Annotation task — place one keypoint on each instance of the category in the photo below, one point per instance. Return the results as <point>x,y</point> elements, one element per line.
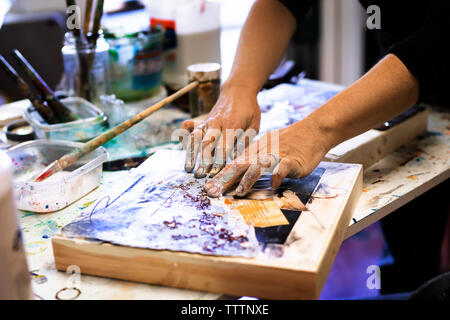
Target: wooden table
<point>388,184</point>
<point>405,174</point>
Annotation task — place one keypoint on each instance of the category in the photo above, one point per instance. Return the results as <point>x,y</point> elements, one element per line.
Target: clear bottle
<point>98,76</point>
<point>192,35</point>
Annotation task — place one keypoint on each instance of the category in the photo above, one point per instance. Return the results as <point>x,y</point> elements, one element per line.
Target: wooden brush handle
<point>87,16</point>
<point>61,111</point>
<point>93,144</point>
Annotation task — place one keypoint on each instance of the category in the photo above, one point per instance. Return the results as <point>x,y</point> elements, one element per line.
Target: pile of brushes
<point>42,97</point>
<point>37,91</point>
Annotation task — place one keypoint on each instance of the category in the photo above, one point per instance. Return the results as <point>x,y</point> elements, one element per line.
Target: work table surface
<point>388,184</point>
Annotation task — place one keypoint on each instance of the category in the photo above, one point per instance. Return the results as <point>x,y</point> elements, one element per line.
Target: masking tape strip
<point>261,213</point>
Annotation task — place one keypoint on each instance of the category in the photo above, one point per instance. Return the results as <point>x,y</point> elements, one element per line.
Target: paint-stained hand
<point>227,131</point>
<point>290,152</point>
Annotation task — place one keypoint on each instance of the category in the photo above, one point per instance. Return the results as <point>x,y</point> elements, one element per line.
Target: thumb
<point>286,167</point>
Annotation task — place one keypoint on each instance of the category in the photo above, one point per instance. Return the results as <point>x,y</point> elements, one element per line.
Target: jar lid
<point>203,71</point>
<point>19,130</point>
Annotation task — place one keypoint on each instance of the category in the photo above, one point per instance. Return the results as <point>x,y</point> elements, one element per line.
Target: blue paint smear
<point>28,213</point>
<point>434,133</point>
<point>173,214</point>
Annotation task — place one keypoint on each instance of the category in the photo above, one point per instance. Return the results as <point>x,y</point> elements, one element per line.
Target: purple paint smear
<point>172,213</point>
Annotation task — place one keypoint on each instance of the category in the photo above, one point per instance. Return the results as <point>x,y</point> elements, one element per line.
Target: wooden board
<point>373,145</point>
<point>296,269</point>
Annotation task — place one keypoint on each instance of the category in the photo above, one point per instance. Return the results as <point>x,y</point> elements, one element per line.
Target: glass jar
<point>97,74</point>
<point>203,98</point>
<point>136,64</point>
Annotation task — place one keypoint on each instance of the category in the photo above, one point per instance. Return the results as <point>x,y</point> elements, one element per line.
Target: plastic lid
<point>203,71</point>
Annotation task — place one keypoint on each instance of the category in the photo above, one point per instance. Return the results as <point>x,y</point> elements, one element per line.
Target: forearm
<point>385,91</point>
<point>262,43</point>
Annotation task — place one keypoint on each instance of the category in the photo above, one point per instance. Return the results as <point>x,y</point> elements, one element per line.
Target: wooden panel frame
<point>299,273</point>
<point>373,145</point>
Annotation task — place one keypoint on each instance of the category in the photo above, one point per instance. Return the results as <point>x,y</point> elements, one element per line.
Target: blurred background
<point>330,45</point>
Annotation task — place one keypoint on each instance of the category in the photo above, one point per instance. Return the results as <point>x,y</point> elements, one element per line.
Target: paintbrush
<point>93,144</point>
<point>95,33</point>
<point>96,25</point>
<point>61,111</point>
<point>87,16</point>
<point>81,45</point>
<point>45,112</point>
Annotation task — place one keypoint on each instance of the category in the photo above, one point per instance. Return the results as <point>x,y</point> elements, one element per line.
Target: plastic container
<point>89,126</point>
<point>61,189</point>
<point>192,35</point>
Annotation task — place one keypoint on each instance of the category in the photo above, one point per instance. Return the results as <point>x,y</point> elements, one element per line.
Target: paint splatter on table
<point>406,173</point>
<point>47,281</point>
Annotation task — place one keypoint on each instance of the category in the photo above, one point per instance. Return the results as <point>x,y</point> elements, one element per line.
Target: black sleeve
<point>426,54</point>
<point>299,8</point>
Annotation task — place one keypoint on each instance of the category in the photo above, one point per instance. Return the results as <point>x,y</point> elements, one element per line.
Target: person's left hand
<point>289,152</point>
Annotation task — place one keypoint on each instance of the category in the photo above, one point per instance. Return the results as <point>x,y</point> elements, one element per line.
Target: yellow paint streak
<point>38,245</point>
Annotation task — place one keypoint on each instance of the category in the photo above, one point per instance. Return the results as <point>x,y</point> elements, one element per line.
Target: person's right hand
<point>229,128</point>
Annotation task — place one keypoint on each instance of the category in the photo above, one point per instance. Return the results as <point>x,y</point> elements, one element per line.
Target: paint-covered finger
<point>186,129</point>
<point>192,149</point>
<point>243,141</point>
<point>226,178</point>
<point>232,136</point>
<point>248,180</point>
<point>190,125</point>
<point>219,158</point>
<point>207,152</point>
<point>286,167</point>
<point>268,162</point>
<point>223,150</point>
<point>260,164</point>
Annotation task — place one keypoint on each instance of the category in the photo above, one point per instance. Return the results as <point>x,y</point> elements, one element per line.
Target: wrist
<point>321,134</point>
<point>239,87</point>
<point>241,96</point>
